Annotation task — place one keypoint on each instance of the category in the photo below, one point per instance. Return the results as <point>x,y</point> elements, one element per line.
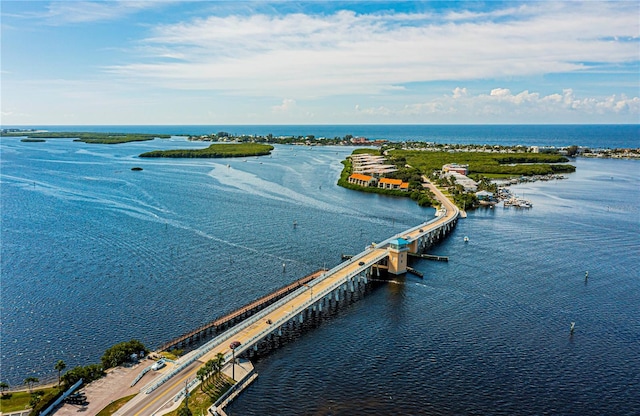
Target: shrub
<point>121,352</point>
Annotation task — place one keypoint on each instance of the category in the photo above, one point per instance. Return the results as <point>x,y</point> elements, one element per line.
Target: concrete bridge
<point>159,396</point>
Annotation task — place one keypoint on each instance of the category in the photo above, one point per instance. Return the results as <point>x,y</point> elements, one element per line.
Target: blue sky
<point>320,62</point>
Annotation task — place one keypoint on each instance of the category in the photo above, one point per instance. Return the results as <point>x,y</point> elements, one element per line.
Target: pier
<point>309,299</point>
<point>240,313</point>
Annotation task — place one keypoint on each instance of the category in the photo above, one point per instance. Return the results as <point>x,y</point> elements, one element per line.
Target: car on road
<point>234,345</point>
<point>158,364</point>
<point>361,263</point>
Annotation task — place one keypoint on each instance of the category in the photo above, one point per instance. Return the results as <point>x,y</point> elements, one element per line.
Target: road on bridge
<point>162,398</point>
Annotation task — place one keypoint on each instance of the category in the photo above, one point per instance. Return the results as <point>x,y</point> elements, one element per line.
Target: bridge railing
<point>312,300</point>
<point>228,335</point>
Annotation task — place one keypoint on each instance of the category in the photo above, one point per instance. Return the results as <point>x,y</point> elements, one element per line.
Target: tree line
<point>216,150</point>
<point>114,356</point>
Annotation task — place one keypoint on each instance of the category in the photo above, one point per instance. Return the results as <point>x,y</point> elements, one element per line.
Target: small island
<point>216,150</point>
<point>86,137</point>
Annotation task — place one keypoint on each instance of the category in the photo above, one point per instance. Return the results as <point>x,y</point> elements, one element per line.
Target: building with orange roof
<point>362,180</point>
<point>397,184</point>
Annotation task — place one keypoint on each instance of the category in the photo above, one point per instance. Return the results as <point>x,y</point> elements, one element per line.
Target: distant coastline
<point>592,140</point>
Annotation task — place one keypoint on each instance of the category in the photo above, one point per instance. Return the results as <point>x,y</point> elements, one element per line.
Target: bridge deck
<point>238,312</point>
<point>256,327</point>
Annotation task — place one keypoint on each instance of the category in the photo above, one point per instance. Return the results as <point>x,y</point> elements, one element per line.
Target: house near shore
<point>395,184</point>
<point>454,167</point>
<point>370,170</point>
<point>467,183</point>
<point>485,196</point>
<point>362,180</point>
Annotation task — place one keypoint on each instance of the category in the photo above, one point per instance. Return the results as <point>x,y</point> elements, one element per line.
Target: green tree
<point>30,381</point>
<point>35,399</point>
<point>60,365</point>
<point>184,411</point>
<point>121,352</point>
<point>202,376</point>
<point>4,386</point>
<point>219,360</point>
<point>572,150</point>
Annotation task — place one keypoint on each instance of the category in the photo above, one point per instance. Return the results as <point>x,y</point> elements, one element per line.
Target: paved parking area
<point>116,384</point>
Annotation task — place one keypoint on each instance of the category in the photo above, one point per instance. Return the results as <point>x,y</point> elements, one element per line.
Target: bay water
<point>94,253</point>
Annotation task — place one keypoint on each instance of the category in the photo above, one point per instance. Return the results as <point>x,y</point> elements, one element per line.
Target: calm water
<point>593,136</point>
<point>94,253</point>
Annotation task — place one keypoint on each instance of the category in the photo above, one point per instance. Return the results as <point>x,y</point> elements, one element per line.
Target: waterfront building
<point>454,167</point>
<point>484,196</point>
<point>362,180</point>
<point>371,165</point>
<point>397,184</point>
<point>467,183</point>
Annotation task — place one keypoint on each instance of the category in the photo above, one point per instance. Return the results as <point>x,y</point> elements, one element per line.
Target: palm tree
<point>210,369</point>
<point>30,381</point>
<point>60,365</point>
<point>219,363</point>
<point>202,376</point>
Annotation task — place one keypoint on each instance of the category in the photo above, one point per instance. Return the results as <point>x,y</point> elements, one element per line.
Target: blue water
<point>94,253</point>
<point>610,136</point>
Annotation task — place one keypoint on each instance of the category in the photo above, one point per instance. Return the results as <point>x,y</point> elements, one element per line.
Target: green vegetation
<point>60,365</point>
<point>115,406</point>
<point>87,137</point>
<point>42,399</point>
<point>30,381</point>
<point>121,353</point>
<point>172,354</point>
<point>4,386</point>
<point>33,140</point>
<point>216,150</point>
<point>200,402</point>
<point>87,373</point>
<point>416,192</point>
<point>485,163</point>
<point>21,400</point>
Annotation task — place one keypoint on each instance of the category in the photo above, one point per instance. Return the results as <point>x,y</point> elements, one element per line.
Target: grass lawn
<point>12,402</point>
<point>199,402</point>
<point>115,406</point>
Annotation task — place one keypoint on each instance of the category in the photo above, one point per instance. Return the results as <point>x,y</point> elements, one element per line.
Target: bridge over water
<point>392,254</point>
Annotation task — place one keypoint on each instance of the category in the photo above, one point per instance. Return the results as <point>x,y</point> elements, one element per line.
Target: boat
<point>466,239</point>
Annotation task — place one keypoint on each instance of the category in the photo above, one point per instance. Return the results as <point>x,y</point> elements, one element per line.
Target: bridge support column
<point>398,250</point>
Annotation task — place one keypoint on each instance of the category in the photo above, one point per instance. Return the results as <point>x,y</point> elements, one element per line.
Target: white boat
<point>466,239</point>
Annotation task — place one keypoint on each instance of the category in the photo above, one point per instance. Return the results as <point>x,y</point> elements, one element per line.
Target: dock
<point>429,256</point>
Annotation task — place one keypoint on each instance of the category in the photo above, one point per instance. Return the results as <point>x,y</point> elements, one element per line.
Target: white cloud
<point>308,56</point>
<point>459,92</point>
<point>62,12</point>
<point>287,105</point>
<point>501,102</point>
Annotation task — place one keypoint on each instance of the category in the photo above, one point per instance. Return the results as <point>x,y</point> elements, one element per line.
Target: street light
<point>233,346</point>
<point>310,287</point>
